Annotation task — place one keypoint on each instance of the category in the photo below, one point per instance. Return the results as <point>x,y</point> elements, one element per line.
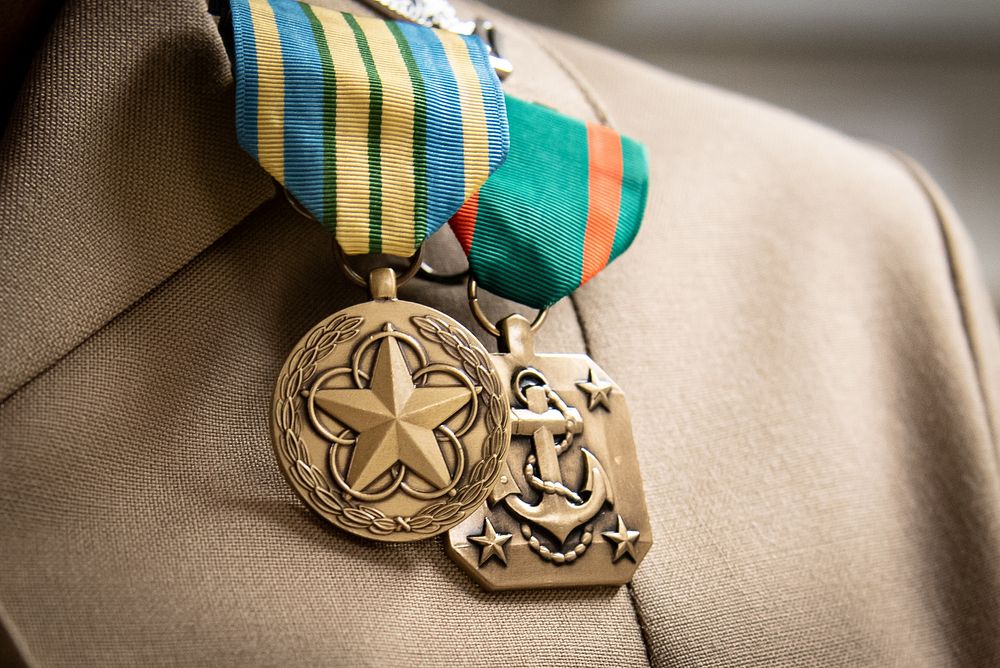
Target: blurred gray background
<point>920,75</point>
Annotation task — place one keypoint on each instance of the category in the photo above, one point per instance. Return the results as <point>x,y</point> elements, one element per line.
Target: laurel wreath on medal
<point>326,498</point>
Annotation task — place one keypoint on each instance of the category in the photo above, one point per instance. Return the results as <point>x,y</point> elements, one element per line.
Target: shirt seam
<point>955,278</point>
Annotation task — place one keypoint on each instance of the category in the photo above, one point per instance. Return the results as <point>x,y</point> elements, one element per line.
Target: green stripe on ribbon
<point>374,137</point>
<point>321,97</point>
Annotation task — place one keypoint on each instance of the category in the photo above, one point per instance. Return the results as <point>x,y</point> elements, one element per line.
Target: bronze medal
<point>389,419</point>
<point>568,508</point>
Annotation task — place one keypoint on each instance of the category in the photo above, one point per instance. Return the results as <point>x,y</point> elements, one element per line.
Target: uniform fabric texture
<point>810,359</point>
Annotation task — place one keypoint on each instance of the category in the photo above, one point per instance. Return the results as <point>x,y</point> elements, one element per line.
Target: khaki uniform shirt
<point>810,358</point>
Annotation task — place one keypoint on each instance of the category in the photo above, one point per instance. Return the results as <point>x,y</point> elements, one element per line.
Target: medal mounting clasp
<point>487,32</point>
<point>382,281</point>
<point>472,289</point>
<point>442,15</point>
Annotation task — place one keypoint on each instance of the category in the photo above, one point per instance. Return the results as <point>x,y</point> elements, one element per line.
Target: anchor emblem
<point>561,509</point>
<point>575,486</point>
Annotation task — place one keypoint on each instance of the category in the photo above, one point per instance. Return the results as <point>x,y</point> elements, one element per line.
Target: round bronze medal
<point>389,418</point>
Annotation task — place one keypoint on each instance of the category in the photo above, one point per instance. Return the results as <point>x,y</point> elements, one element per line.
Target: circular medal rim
<point>317,491</point>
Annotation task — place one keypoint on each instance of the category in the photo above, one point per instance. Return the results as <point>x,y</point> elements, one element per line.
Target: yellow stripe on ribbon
<point>380,129</point>
<point>271,91</point>
<point>475,133</point>
<point>351,140</point>
<point>397,137</point>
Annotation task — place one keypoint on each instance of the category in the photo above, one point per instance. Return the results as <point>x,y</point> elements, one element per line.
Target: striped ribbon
<point>568,200</point>
<point>381,129</point>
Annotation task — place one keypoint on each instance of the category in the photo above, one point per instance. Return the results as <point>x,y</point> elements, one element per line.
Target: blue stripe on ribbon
<point>303,104</point>
<point>493,102</point>
<point>245,47</point>
<point>445,145</point>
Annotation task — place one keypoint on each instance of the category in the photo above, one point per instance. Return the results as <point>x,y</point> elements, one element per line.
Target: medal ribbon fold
<point>568,200</point>
<point>380,129</point>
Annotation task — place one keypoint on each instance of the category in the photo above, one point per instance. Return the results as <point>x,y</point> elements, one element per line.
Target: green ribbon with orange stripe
<point>568,200</point>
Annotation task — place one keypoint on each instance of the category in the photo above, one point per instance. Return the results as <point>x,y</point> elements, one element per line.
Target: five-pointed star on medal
<point>492,543</point>
<point>599,391</point>
<point>395,420</point>
<point>624,540</point>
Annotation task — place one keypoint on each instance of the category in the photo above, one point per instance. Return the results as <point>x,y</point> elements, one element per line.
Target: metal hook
<point>428,273</point>
<point>486,31</point>
<point>357,278</point>
<point>477,310</point>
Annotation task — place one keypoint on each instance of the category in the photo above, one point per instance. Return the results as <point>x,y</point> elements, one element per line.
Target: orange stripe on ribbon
<point>463,223</point>
<point>605,193</point>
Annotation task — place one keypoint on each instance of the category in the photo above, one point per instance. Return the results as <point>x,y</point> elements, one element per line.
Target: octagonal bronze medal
<point>568,508</point>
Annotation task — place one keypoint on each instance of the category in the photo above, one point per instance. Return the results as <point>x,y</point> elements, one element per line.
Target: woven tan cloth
<point>811,362</point>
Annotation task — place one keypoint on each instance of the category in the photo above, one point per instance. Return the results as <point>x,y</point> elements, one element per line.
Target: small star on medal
<point>599,391</point>
<point>624,540</point>
<point>492,543</point>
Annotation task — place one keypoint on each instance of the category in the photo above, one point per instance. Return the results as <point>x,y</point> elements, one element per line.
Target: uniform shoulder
<point>710,148</point>
<point>781,211</point>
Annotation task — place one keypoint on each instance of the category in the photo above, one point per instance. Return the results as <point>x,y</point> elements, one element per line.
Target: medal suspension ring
<point>327,497</point>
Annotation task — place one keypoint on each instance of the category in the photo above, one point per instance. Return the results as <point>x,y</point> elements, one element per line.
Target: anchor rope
<point>559,558</point>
